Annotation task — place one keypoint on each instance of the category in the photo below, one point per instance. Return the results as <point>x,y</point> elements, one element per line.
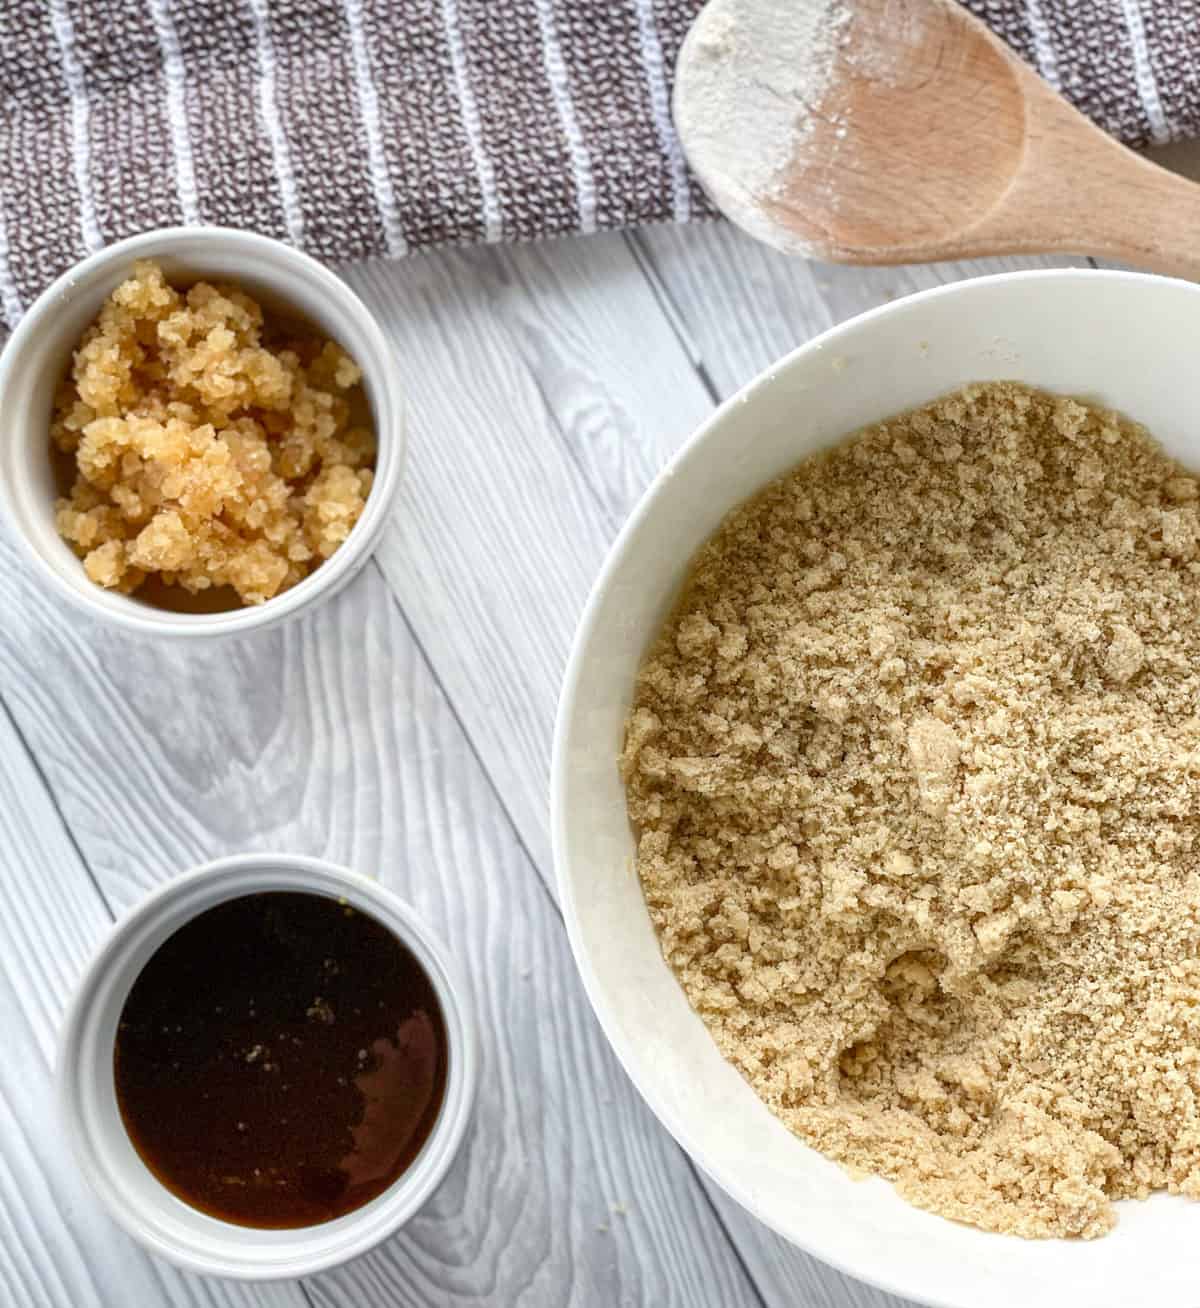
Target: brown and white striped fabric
<point>374,127</point>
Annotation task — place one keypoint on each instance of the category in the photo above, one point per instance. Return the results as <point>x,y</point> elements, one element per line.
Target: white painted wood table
<point>404,729</point>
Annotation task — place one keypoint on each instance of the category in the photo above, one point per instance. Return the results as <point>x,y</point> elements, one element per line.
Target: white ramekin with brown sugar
<point>37,357</point>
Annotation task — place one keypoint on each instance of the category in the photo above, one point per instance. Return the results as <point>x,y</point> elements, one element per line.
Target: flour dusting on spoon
<point>752,83</point>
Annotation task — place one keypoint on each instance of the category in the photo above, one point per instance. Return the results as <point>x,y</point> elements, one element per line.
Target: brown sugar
<point>210,449</point>
<point>915,768</point>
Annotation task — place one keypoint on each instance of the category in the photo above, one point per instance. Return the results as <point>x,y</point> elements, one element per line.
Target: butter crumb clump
<point>204,452</point>
<point>915,768</point>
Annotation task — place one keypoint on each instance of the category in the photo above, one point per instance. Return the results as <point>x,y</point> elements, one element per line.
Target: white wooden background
<point>404,729</point>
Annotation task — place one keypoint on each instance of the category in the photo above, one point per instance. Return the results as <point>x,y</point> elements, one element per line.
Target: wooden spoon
<point>899,131</point>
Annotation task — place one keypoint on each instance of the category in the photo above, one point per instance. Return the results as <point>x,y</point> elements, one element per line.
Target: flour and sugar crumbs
<point>915,770</point>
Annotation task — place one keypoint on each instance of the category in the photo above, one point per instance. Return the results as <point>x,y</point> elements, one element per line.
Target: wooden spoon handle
<point>1080,192</point>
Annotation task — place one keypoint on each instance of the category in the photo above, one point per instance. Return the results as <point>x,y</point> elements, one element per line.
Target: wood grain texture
<point>617,391</point>
<point>332,737</point>
<point>57,1249</point>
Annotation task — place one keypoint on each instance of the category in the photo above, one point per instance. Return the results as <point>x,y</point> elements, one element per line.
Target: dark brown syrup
<point>280,1060</point>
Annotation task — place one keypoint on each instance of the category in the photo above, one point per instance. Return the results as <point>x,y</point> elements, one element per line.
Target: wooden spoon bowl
<point>902,131</point>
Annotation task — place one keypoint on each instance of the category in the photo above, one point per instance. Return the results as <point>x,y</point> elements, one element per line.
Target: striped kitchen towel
<point>374,127</point>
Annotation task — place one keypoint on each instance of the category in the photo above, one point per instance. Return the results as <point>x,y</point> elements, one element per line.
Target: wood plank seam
<point>672,313</point>
<point>444,691</point>
<point>573,456</point>
<point>35,764</point>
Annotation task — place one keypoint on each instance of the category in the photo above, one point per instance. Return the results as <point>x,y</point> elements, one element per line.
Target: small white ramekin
<point>36,358</point>
<point>163,1223</point>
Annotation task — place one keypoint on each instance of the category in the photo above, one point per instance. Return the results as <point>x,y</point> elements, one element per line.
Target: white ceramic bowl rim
<point>144,1207</point>
<point>333,306</point>
<point>571,722</point>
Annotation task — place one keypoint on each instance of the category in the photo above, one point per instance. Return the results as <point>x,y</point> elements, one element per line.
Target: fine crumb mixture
<point>209,450</point>
<point>915,768</point>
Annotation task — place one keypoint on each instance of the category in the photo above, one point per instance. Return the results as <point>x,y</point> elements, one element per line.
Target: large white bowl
<point>1122,339</point>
